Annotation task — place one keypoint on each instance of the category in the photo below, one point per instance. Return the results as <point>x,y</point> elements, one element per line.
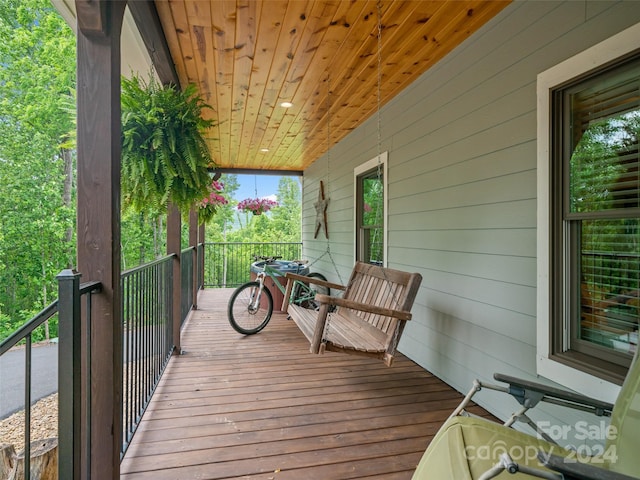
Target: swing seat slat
<point>368,320</point>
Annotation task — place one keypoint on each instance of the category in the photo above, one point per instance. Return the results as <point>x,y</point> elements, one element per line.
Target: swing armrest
<point>293,277</point>
<point>313,280</point>
<point>363,307</point>
<point>571,469</point>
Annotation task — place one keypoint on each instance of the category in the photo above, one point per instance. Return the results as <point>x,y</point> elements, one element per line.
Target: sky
<point>267,186</point>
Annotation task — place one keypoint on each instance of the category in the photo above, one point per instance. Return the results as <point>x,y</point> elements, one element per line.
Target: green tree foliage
<point>37,51</point>
<point>223,221</point>
<point>286,217</point>
<point>281,224</point>
<point>143,237</point>
<point>37,54</point>
<point>604,177</point>
<point>373,214</point>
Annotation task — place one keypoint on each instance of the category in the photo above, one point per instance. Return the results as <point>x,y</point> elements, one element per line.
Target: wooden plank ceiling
<point>323,56</point>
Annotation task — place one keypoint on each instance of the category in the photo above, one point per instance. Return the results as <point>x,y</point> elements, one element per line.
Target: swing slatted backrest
<point>381,287</point>
<point>369,318</point>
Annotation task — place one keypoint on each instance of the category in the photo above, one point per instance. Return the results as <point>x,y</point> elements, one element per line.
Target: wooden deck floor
<point>262,407</point>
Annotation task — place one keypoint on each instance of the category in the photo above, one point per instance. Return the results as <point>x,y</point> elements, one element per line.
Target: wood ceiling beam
<point>145,14</point>
<point>93,18</point>
<point>258,171</point>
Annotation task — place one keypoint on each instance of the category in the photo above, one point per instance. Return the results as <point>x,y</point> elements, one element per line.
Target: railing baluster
<point>27,407</point>
<point>227,264</point>
<point>86,457</point>
<point>138,378</point>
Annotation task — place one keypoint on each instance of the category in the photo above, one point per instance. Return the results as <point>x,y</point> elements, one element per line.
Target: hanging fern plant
<point>165,157</point>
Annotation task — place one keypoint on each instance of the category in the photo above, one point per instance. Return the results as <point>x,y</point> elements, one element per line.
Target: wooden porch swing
<point>370,316</point>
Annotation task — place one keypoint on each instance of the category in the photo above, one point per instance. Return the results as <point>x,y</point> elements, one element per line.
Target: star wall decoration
<point>321,212</point>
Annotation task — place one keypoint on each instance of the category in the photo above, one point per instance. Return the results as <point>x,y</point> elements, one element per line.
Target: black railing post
<point>201,240</point>
<point>199,268</point>
<point>69,376</point>
<point>173,248</point>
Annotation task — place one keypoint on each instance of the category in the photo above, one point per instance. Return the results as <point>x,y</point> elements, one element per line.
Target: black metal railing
<point>69,360</point>
<point>187,259</point>
<point>229,264</point>
<point>147,305</point>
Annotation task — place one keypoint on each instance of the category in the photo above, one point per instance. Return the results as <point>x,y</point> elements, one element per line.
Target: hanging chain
<point>394,296</point>
<point>328,129</point>
<point>393,293</point>
<point>328,189</point>
<point>379,82</point>
<point>327,324</point>
<point>379,173</point>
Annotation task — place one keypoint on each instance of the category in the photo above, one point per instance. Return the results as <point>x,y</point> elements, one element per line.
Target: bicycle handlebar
<point>267,259</point>
<point>277,257</point>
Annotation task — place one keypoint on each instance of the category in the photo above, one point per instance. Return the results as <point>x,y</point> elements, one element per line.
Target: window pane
<point>601,121</point>
<point>610,283</point>
<point>372,245</point>
<point>604,165</point>
<point>373,201</point>
<point>370,240</point>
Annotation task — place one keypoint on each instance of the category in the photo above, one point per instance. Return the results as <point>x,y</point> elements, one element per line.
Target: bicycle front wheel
<point>248,314</point>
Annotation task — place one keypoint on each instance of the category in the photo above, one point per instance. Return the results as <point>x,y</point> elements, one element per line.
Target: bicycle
<point>251,304</point>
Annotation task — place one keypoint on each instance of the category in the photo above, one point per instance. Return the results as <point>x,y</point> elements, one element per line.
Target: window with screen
<point>370,211</point>
<point>595,194</point>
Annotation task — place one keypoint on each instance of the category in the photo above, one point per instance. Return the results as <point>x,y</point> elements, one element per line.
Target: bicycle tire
<point>241,317</point>
<point>311,304</point>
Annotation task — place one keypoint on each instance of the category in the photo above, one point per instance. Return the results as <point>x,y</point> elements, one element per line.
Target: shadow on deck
<point>262,407</point>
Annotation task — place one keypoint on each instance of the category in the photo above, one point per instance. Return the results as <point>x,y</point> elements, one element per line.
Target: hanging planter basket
<point>257,206</point>
<point>165,157</point>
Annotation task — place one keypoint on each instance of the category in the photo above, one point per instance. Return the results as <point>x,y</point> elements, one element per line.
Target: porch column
<point>193,242</point>
<point>174,224</point>
<point>98,218</point>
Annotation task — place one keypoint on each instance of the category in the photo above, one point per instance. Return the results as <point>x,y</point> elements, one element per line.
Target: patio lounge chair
<point>466,447</point>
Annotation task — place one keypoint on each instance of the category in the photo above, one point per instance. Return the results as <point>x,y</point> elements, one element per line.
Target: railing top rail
<point>45,314</point>
<point>139,268</point>
<point>188,249</point>
<point>252,243</point>
<point>90,287</point>
<point>29,326</point>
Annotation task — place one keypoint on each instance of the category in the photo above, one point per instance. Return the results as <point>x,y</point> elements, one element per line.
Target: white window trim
<point>596,56</point>
<point>359,170</point>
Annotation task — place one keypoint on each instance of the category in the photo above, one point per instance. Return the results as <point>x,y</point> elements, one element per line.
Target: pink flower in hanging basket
<point>257,206</point>
<point>208,206</point>
<point>214,198</point>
